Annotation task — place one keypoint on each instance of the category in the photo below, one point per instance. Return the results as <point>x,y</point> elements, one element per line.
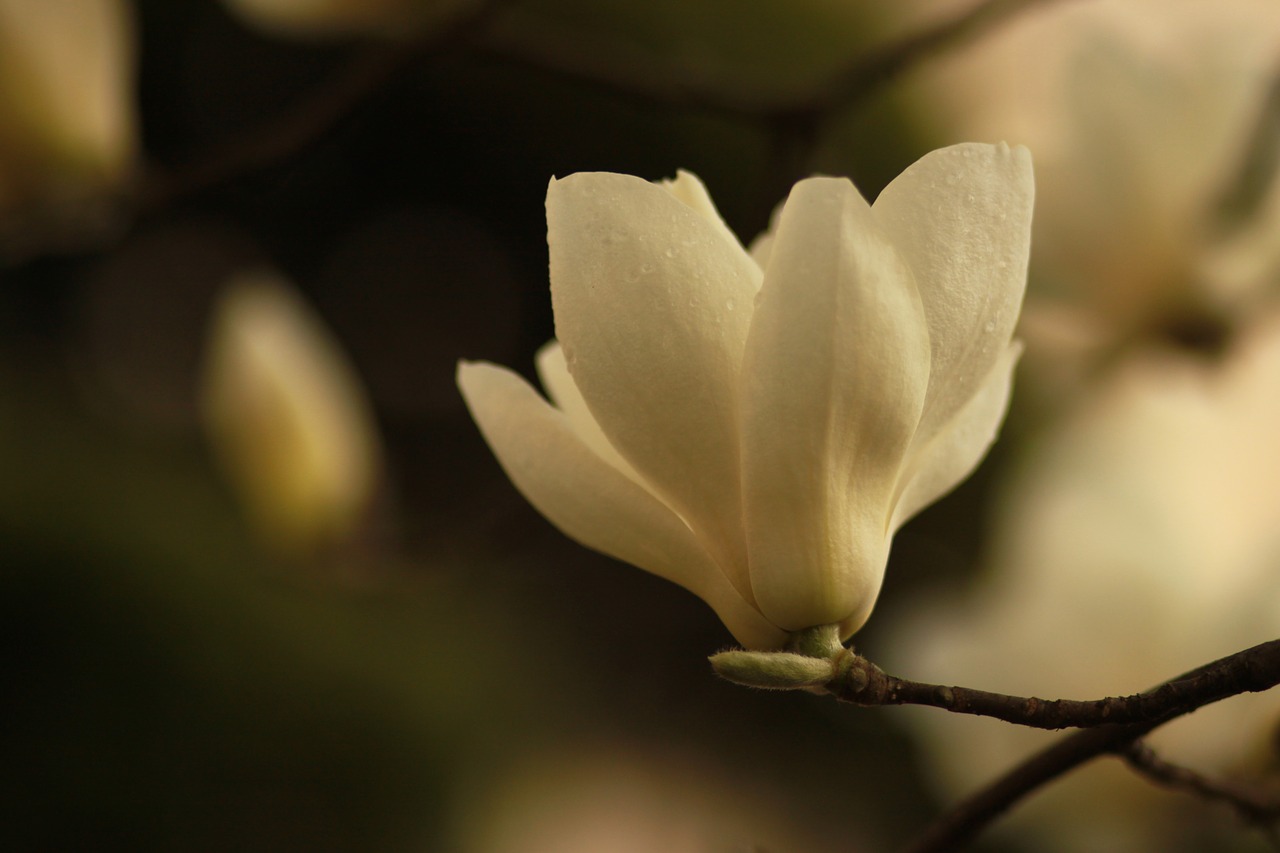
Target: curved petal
<point>961,217</point>
<point>689,189</point>
<point>652,305</point>
<point>833,382</point>
<point>938,466</point>
<point>762,246</point>
<point>554,373</point>
<point>593,503</point>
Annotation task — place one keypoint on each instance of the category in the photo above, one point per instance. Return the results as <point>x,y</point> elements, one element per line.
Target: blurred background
<point>265,588</point>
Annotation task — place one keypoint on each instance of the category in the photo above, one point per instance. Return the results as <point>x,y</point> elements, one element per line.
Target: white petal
<point>592,502</point>
<point>760,249</point>
<point>652,305</point>
<point>833,382</point>
<point>937,467</point>
<point>555,377</point>
<point>689,189</point>
<point>961,217</point>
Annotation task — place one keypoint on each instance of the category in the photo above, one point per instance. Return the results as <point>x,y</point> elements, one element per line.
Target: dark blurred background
<point>445,671</point>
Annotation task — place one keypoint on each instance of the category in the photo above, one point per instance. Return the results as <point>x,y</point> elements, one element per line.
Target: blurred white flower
<point>626,798</point>
<point>1143,117</point>
<point>1140,539</point>
<point>67,117</point>
<point>384,18</point>
<point>288,417</point>
<point>756,428</point>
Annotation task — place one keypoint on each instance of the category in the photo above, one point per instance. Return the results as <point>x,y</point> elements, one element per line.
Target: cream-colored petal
<point>652,306</point>
<point>689,189</point>
<point>938,467</point>
<point>762,246</point>
<point>961,217</point>
<point>559,386</point>
<point>760,249</point>
<point>592,502</point>
<point>833,383</point>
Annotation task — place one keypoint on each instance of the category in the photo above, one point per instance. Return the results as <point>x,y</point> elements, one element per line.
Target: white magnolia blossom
<point>755,426</point>
<point>288,417</point>
<point>1140,539</point>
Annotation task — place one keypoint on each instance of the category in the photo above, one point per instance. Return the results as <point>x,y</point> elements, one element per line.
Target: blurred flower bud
<point>320,18</point>
<point>67,123</point>
<point>288,418</point>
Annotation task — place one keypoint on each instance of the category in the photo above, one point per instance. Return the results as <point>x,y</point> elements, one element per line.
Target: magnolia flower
<point>288,417</point>
<point>755,426</point>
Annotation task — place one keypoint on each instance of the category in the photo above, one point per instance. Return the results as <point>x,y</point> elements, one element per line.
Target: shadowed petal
<point>592,502</point>
<point>686,187</point>
<point>559,386</point>
<point>937,467</point>
<point>652,304</point>
<point>833,383</point>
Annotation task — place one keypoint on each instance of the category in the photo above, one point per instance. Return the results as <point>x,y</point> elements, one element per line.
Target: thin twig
<point>968,818</point>
<point>1254,807</point>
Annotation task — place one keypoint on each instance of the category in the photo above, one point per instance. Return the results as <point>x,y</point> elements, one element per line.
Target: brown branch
<point>1252,670</point>
<point>962,823</point>
<point>818,662</point>
<point>1254,807</point>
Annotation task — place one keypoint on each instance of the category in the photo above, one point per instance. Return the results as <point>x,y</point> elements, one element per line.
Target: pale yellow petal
<point>592,502</point>
<point>652,305</point>
<point>937,467</point>
<point>559,386</point>
<point>961,218</point>
<point>834,380</point>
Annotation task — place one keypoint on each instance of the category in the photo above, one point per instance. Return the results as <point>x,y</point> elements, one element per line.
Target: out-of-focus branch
<point>1261,809</point>
<point>569,56</point>
<point>313,116</point>
<point>611,69</point>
